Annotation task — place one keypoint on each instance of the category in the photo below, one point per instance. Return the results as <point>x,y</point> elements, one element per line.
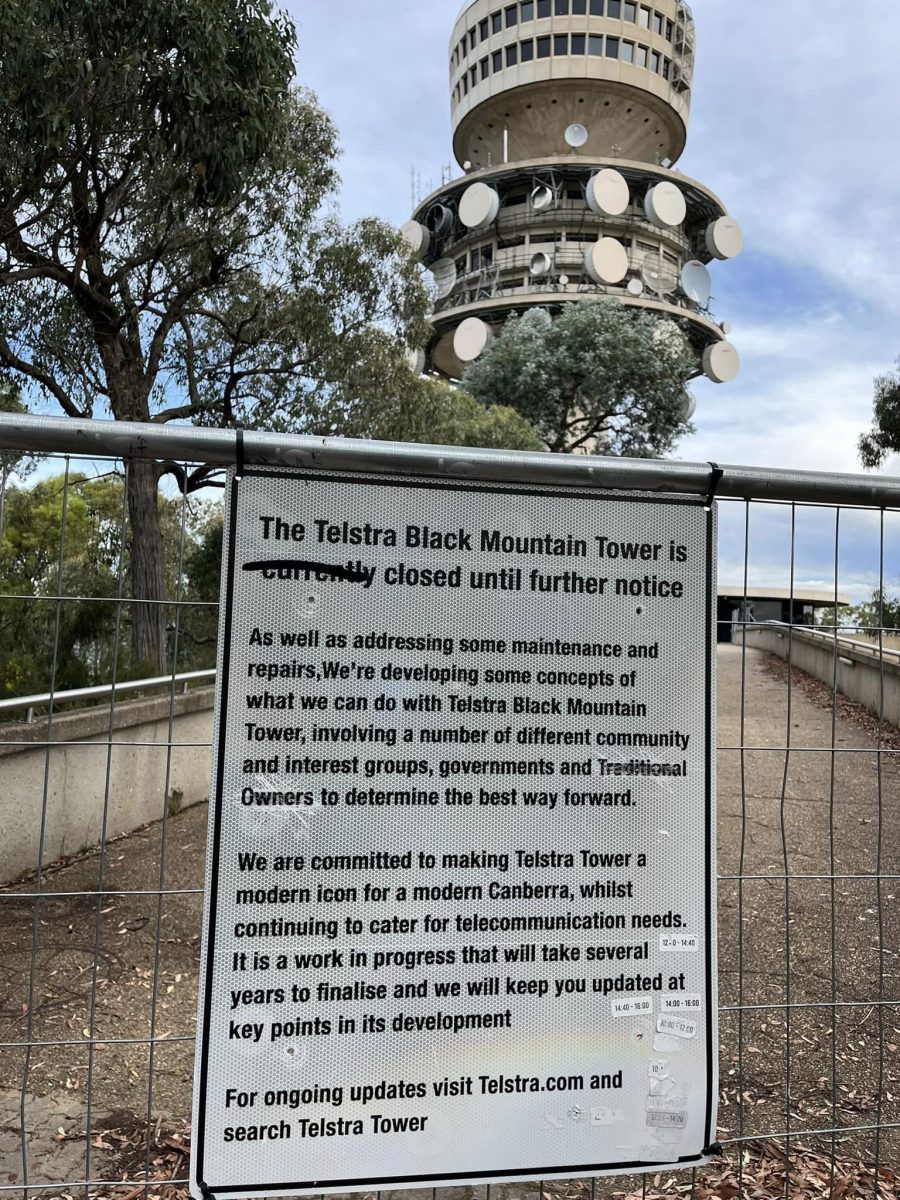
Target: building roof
<point>818,597</point>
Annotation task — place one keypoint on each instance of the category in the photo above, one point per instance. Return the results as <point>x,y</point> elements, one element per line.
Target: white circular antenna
<point>444,359</point>
<point>635,287</point>
<point>608,194</point>
<point>467,165</point>
<point>665,205</point>
<point>541,264</point>
<point>696,283</point>
<point>416,360</point>
<point>479,205</point>
<point>606,261</point>
<point>444,272</point>
<point>724,238</point>
<point>471,339</point>
<point>439,220</point>
<point>563,281</point>
<point>689,407</point>
<point>417,237</point>
<point>541,197</point>
<point>726,327</point>
<point>721,362</point>
<point>659,277</point>
<point>576,136</point>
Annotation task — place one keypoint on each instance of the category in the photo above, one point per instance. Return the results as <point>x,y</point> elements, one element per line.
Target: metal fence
<point>100,945</point>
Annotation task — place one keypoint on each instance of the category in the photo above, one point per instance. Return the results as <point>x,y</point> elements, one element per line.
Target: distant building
<point>568,117</point>
<point>756,605</point>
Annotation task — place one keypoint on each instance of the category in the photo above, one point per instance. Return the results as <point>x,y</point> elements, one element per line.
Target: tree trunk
<point>148,621</point>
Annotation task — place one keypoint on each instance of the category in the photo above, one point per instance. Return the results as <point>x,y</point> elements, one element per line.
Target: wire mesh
<point>104,839</point>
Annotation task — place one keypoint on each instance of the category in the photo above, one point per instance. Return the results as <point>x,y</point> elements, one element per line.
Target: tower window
<point>630,11</point>
<point>640,56</point>
<point>512,15</point>
<point>484,29</point>
<point>657,24</point>
<point>496,22</point>
<point>612,47</point>
<point>497,60</point>
<point>627,52</point>
<point>579,8</point>
<point>543,47</point>
<point>543,9</point>
<point>512,55</point>
<point>595,44</point>
<point>527,11</point>
<point>667,68</point>
<point>561,8</point>
<point>465,83</point>
<point>526,51</point>
<point>578,43</point>
<point>654,61</point>
<point>597,7</point>
<point>561,43</point>
<point>670,29</point>
<point>472,39</point>
<point>614,8</point>
<point>644,17</point>
<point>485,68</point>
<point>473,75</point>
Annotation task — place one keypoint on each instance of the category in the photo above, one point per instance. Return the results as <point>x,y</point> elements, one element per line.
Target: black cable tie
<point>239,451</point>
<point>714,1151</point>
<point>714,480</point>
<point>205,1190</point>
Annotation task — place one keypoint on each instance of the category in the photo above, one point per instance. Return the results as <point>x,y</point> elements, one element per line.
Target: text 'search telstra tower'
<point>568,117</point>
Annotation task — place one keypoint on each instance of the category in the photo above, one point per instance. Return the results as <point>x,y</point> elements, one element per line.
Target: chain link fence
<point>103,825</point>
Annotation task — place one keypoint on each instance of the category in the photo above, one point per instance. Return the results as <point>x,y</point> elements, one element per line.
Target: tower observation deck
<point>568,117</point>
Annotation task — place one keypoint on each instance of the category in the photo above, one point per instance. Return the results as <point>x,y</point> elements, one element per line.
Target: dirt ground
<point>829,947</point>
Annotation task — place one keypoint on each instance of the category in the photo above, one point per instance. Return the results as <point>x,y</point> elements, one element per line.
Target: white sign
<point>460,881</point>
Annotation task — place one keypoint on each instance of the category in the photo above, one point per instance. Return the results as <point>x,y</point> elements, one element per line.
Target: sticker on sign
<point>451,721</point>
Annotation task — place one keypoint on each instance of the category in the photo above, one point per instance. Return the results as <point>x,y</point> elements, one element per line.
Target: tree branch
<point>13,361</point>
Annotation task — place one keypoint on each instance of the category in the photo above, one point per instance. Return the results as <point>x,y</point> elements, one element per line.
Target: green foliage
<point>599,377</point>
<point>884,438</point>
<point>443,415</point>
<point>882,611</point>
<point>90,566</point>
<point>167,245</point>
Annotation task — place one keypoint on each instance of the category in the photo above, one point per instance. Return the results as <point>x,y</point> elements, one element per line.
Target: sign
<point>460,880</point>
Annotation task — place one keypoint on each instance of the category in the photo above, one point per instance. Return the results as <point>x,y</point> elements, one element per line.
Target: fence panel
<point>103,826</point>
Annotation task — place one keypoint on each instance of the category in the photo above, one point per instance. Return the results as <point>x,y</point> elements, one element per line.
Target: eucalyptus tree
<point>168,244</point>
<point>600,377</point>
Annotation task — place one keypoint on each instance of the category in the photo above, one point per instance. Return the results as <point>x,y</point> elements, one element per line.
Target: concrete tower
<point>568,117</point>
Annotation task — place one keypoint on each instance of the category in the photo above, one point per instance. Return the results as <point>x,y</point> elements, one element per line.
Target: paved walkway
<point>809,809</point>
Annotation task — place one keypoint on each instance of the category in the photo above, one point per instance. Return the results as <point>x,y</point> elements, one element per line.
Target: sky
<point>794,120</point>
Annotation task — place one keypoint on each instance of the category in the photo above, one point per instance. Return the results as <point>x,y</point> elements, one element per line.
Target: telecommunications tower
<point>568,118</point>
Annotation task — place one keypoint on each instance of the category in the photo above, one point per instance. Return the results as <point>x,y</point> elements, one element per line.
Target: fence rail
<point>98,971</point>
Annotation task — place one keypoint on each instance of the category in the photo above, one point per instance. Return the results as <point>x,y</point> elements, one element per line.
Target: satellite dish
<point>541,197</point>
<point>479,205</point>
<point>417,237</point>
<point>635,287</point>
<point>658,277</point>
<point>541,264</point>
<point>721,362</point>
<point>467,165</point>
<point>471,339</point>
<point>607,193</point>
<point>696,283</point>
<point>726,327</point>
<point>689,407</point>
<point>416,360</point>
<point>606,261</point>
<point>444,272</point>
<point>563,281</point>
<point>724,238</point>
<point>439,220</point>
<point>576,136</point>
<point>665,205</point>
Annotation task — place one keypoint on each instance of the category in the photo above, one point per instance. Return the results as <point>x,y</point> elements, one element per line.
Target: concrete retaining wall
<point>75,774</point>
<point>859,672</point>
